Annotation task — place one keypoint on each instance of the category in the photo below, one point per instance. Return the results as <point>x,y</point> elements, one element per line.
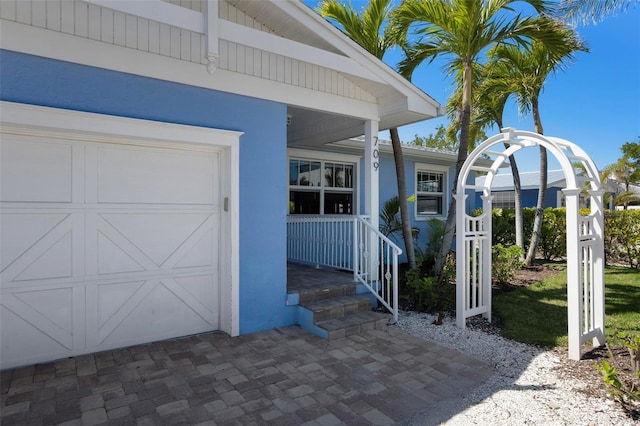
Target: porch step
<point>353,324</point>
<point>337,307</point>
<point>330,303</point>
<point>327,291</point>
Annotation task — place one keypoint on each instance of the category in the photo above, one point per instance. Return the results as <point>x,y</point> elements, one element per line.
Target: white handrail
<point>376,264</point>
<point>350,243</point>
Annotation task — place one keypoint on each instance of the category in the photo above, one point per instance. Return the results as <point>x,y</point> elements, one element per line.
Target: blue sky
<point>594,102</point>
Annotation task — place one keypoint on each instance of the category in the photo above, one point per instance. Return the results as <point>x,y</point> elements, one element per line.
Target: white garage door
<point>104,245</point>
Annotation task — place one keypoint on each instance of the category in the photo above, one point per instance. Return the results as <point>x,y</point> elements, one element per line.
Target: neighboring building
<point>152,153</point>
<point>504,195</point>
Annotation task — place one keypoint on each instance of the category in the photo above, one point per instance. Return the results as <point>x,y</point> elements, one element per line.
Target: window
<point>431,186</point>
<point>583,200</point>
<point>503,200</point>
<point>321,187</point>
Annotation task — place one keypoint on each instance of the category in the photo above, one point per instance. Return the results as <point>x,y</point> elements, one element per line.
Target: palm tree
<point>462,31</point>
<point>526,70</point>
<point>625,172</point>
<point>585,11</point>
<point>493,94</point>
<point>367,30</point>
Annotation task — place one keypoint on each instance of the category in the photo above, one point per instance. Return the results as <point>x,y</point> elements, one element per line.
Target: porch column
<point>371,189</point>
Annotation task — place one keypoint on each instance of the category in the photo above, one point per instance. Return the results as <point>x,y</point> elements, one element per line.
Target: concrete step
<point>327,291</point>
<point>337,307</point>
<point>353,323</point>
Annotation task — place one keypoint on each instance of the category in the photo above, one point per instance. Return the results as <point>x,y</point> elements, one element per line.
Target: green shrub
<point>505,261</point>
<point>553,236</point>
<point>430,294</point>
<point>622,236</point>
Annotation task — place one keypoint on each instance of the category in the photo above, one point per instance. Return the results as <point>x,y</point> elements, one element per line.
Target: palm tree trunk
<point>517,191</point>
<point>463,152</point>
<point>517,195</point>
<point>542,190</point>
<point>402,197</point>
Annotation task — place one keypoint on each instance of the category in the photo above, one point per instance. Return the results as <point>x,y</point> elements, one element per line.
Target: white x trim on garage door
<point>114,237</point>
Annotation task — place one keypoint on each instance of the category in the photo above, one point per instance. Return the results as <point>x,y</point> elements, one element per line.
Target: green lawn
<point>538,314</point>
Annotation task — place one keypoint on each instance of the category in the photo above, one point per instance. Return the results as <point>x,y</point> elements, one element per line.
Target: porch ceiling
<point>314,129</point>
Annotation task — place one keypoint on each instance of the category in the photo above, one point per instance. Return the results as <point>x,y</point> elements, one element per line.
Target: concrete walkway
<point>281,377</point>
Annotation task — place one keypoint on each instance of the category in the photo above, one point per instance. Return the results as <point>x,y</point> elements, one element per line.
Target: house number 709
<point>375,153</point>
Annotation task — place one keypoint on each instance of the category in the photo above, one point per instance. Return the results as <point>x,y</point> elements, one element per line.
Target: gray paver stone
<point>118,413</point>
<point>172,407</point>
<point>91,402</point>
<point>378,418</point>
<point>94,417</point>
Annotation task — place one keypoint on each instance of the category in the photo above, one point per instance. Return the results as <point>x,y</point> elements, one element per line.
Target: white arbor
<point>585,245</point>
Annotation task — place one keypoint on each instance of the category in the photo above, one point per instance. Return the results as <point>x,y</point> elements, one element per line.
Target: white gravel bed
<point>526,389</point>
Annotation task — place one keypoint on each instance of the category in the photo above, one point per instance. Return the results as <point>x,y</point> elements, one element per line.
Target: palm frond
<point>591,11</point>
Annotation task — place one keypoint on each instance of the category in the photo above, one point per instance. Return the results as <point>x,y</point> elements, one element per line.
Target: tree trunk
<point>542,191</point>
<point>402,197</point>
<point>463,152</point>
<point>517,190</point>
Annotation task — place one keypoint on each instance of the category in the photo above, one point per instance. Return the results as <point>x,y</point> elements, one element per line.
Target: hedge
<point>621,233</point>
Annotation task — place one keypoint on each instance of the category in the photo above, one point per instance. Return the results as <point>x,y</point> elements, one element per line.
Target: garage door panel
<point>20,231</point>
<point>198,292</point>
<point>50,256</point>
<point>38,318</point>
<point>201,252</point>
<point>43,170</point>
<point>151,239</point>
<point>54,262</point>
<point>156,176</point>
<point>33,341</point>
<point>117,257</point>
<point>158,309</point>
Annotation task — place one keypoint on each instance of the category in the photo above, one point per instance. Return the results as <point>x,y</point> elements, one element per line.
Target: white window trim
<point>303,154</point>
<point>424,167</point>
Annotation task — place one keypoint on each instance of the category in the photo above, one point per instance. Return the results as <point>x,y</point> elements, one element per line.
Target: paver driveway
<point>284,376</point>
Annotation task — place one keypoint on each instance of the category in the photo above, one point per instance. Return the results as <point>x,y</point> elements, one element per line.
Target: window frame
<point>500,198</point>
<point>323,158</point>
<point>445,194</point>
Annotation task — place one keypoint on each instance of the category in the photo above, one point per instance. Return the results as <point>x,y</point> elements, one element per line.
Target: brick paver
<point>279,377</point>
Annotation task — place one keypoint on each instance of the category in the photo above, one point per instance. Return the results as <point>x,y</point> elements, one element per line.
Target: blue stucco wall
<point>263,167</point>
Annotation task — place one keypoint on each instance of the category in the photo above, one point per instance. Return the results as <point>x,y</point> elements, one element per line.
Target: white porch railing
<point>350,243</point>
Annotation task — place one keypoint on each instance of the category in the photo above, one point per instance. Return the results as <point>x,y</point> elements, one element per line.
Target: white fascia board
<point>159,11</point>
<point>50,44</point>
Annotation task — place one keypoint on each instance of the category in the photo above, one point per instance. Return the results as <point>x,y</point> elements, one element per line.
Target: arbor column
<point>597,212</point>
<point>574,279</point>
